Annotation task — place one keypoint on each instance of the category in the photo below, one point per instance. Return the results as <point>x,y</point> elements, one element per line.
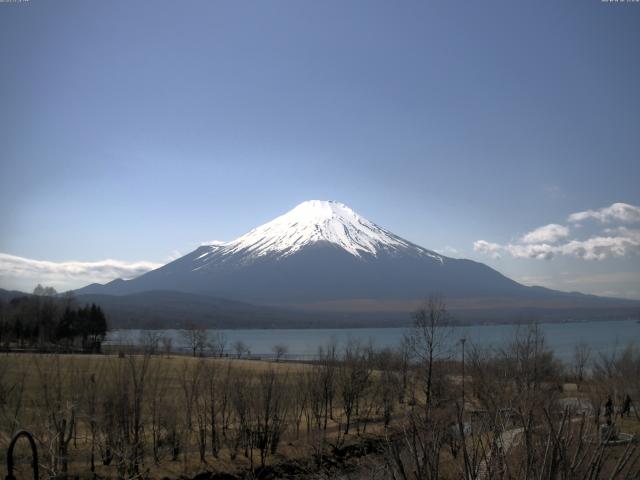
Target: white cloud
<point>621,212</point>
<point>542,251</point>
<point>551,240</point>
<point>63,275</point>
<point>548,233</point>
<point>488,248</point>
<point>626,243</point>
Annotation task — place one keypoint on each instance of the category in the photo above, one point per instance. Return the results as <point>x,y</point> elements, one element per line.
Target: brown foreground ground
<point>363,416</point>
<point>41,393</point>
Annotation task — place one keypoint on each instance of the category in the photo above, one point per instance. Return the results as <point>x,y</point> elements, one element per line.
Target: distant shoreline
<point>359,326</point>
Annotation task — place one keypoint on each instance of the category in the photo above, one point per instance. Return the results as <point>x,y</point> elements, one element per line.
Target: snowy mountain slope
<point>309,223</point>
<point>324,253</point>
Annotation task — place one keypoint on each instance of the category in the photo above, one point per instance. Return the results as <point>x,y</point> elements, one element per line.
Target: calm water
<point>303,343</point>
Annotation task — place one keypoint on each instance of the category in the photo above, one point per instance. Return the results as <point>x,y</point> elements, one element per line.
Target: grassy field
<point>140,416</point>
<point>42,390</point>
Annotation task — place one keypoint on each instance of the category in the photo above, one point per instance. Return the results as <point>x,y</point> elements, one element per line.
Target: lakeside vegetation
<point>416,411</point>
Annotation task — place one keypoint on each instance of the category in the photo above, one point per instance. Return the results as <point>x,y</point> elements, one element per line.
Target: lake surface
<point>605,336</point>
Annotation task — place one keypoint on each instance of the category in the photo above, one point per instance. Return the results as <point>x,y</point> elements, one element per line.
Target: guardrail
<point>134,349</point>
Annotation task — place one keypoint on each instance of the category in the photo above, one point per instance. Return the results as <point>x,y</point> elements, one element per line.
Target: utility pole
<point>462,341</point>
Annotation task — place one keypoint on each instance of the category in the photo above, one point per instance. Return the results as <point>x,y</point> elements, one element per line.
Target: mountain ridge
<point>161,309</point>
<point>322,253</point>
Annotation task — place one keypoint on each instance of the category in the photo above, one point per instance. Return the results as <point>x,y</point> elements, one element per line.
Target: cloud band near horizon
<point>68,274</point>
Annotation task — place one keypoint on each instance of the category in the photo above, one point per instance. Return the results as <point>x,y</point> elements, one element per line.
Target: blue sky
<point>133,131</point>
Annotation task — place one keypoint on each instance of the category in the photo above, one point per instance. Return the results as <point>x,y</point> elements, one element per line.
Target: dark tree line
<point>45,319</point>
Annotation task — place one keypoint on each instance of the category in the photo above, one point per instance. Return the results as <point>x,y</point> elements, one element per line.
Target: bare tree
<point>191,379</point>
<point>354,372</point>
<point>299,399</point>
<point>214,403</point>
<point>12,389</point>
<point>149,341</point>
<point>41,291</point>
<point>124,423</point>
<point>388,383</point>
<point>91,392</point>
<point>239,432</point>
<point>158,408</point>
<point>317,404</point>
<point>202,410</point>
<point>327,378</point>
<point>224,398</point>
<point>269,413</point>
<point>240,348</point>
<point>428,339</point>
<point>279,350</point>
<point>59,392</point>
<point>415,449</point>
<point>404,359</point>
<point>581,356</point>
<point>217,344</point>
<point>195,337</point>
<point>167,343</point>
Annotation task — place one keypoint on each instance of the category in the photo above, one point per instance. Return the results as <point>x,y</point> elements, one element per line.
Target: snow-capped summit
<point>323,257</point>
<point>316,221</point>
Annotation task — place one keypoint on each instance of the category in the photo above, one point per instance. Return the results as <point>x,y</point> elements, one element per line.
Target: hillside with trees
<point>45,321</point>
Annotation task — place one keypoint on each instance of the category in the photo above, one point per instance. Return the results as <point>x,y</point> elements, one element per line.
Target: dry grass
<point>72,373</point>
<point>33,371</point>
<point>629,425</point>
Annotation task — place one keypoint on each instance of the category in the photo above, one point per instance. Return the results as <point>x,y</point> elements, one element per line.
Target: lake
<point>601,336</point>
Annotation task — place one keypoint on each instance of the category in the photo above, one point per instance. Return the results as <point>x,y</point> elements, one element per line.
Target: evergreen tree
<point>97,324</point>
<point>67,326</point>
<point>43,319</point>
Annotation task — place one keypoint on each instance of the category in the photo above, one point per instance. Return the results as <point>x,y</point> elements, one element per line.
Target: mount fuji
<point>324,257</point>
